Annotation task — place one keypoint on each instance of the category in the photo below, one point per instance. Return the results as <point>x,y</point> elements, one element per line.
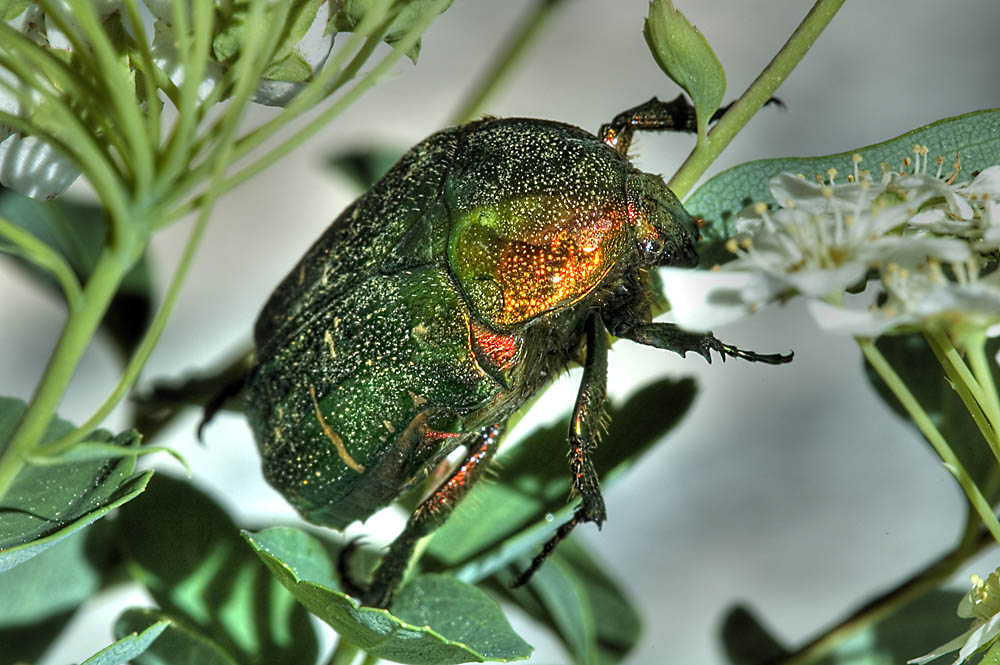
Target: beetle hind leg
<point>429,515</point>
<point>584,432</point>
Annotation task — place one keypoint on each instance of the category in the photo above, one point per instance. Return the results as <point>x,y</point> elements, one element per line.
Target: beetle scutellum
<point>486,260</point>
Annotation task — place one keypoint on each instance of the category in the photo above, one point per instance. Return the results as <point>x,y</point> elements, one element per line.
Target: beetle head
<point>666,235</point>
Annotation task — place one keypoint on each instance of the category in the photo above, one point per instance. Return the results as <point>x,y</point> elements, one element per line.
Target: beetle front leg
<point>669,336</point>
<point>431,514</point>
<point>583,437</point>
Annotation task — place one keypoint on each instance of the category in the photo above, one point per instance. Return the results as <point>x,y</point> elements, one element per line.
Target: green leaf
<point>682,52</point>
<point>11,9</point>
<point>747,641</point>
<point>285,64</point>
<point>177,644</point>
<point>608,627</point>
<point>184,548</point>
<point>78,231</point>
<point>28,644</point>
<point>130,647</point>
<point>915,362</point>
<point>348,13</point>
<point>47,503</point>
<point>293,67</point>
<point>533,480</point>
<point>975,136</point>
<point>364,166</point>
<point>41,595</point>
<point>435,619</point>
<point>911,631</point>
<point>57,580</point>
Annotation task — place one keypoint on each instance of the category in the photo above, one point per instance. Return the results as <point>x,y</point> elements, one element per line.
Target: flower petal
<point>703,299</point>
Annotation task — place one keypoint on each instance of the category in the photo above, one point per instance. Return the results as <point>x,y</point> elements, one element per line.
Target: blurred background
<point>790,489</point>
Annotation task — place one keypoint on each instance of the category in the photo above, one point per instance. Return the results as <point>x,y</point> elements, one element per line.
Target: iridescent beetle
<point>487,259</point>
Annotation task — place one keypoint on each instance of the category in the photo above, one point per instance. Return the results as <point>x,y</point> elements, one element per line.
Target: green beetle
<point>491,256</point>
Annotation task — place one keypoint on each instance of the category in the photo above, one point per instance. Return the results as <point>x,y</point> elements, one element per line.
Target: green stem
<point>112,75</point>
<point>345,653</point>
<point>923,422</point>
<point>756,95</point>
<point>972,541</point>
<point>141,52</point>
<point>975,348</point>
<point>246,66</point>
<point>44,257</point>
<point>292,142</point>
<point>965,384</point>
<point>76,335</point>
<point>516,47</point>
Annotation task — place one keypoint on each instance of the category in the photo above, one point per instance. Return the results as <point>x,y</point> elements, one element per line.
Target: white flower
<point>827,237</point>
<point>982,605</point>
<point>921,295</point>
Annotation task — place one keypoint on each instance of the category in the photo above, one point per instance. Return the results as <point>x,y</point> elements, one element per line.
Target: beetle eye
<point>653,246</point>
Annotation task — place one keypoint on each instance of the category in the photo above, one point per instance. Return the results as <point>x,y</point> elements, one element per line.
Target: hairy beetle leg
<point>431,514</point>
<point>584,434</point>
<point>677,115</point>
<point>672,338</point>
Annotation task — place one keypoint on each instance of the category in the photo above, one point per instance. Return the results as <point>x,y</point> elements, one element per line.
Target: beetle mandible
<point>490,257</point>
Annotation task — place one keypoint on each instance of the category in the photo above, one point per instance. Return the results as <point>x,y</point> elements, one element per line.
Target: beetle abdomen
<point>355,406</point>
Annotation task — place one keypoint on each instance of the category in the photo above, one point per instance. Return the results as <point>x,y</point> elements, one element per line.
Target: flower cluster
<point>923,235</point>
<point>37,169</point>
<point>982,605</point>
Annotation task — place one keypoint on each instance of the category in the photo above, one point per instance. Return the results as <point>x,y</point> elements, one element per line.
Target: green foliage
<point>48,503</point>
<point>176,643</point>
<point>77,231</point>
<point>187,552</point>
<point>434,619</point>
<point>218,600</point>
<point>912,630</point>
<point>131,647</point>
<point>349,13</point>
<point>914,361</point>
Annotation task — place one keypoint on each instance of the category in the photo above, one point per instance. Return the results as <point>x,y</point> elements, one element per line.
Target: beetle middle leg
<point>431,514</point>
<point>583,437</point>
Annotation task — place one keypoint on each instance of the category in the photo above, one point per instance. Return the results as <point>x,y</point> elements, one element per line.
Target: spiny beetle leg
<point>656,116</point>
<point>583,437</point>
<point>669,336</point>
<point>431,514</point>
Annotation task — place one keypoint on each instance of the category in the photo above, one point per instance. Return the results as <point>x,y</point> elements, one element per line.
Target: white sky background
<point>791,488</point>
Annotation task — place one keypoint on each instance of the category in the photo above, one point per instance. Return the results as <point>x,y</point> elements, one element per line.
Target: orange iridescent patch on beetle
<point>515,269</point>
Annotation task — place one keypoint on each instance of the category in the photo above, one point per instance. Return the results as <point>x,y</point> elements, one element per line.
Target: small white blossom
<point>982,605</point>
